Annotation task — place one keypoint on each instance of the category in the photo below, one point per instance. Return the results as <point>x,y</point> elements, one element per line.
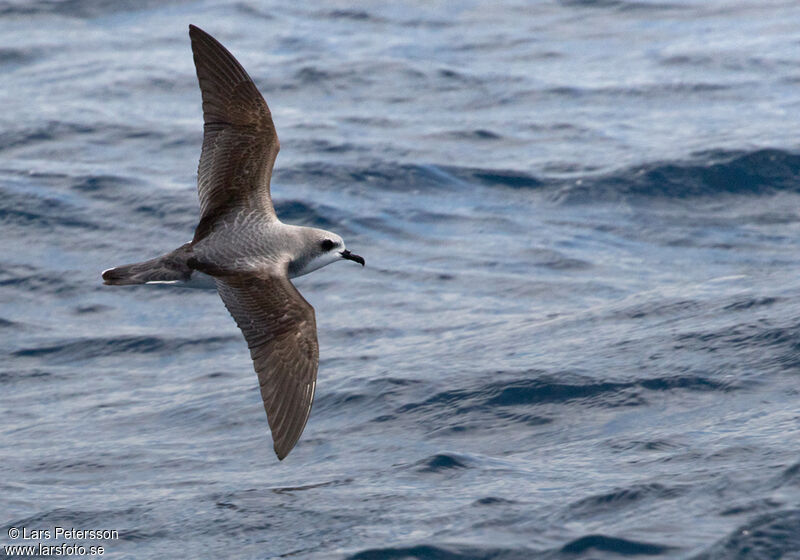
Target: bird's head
<point>321,248</point>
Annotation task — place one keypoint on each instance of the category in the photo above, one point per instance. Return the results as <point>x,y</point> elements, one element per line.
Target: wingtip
<point>196,33</point>
<point>283,448</point>
<point>281,453</point>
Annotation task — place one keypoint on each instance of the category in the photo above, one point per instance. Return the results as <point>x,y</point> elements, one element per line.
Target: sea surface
<point>577,335</point>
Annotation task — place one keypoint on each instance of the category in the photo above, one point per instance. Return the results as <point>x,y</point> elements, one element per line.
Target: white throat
<point>318,262</point>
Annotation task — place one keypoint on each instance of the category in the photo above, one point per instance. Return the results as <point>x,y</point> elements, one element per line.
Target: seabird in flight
<point>243,246</point>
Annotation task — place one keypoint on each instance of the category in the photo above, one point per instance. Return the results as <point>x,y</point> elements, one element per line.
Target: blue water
<point>577,335</point>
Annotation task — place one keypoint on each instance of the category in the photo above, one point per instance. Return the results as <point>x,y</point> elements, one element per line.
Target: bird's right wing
<point>281,331</point>
<point>239,139</point>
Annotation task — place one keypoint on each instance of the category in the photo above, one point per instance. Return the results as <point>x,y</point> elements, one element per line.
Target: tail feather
<point>171,267</point>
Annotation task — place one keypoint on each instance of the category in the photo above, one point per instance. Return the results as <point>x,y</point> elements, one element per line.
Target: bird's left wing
<point>281,331</point>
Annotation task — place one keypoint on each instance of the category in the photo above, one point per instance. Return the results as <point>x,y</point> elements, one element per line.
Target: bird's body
<point>242,247</point>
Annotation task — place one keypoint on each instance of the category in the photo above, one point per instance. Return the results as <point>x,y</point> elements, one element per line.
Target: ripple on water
<point>604,543</point>
<point>772,535</point>
<point>443,552</point>
<point>88,348</point>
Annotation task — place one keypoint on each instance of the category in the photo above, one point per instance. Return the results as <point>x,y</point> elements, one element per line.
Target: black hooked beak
<point>351,257</point>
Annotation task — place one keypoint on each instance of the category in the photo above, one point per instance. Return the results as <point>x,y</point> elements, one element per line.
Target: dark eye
<point>327,245</point>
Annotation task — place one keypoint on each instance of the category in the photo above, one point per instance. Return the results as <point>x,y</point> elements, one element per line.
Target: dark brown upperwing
<point>239,141</point>
<point>281,331</point>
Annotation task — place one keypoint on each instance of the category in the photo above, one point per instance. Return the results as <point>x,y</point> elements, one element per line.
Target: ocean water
<point>577,334</point>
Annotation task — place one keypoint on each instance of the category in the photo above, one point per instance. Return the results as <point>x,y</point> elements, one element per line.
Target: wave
<point>47,131</point>
<point>507,399</point>
<point>89,348</point>
<point>84,9</point>
<point>436,552</point>
<point>353,14</point>
<point>773,345</point>
<point>622,498</point>
<point>748,303</point>
<point>495,177</point>
<point>772,535</point>
<point>581,545</point>
<point>380,175</point>
<point>358,74</point>
<point>303,213</point>
<point>19,375</point>
<point>9,56</point>
<point>443,462</point>
<point>475,134</point>
<point>103,187</point>
<point>603,543</point>
<point>707,174</point>
<point>548,390</point>
<point>21,211</point>
<point>622,5</point>
<point>759,172</point>
<point>31,279</point>
<point>401,177</point>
